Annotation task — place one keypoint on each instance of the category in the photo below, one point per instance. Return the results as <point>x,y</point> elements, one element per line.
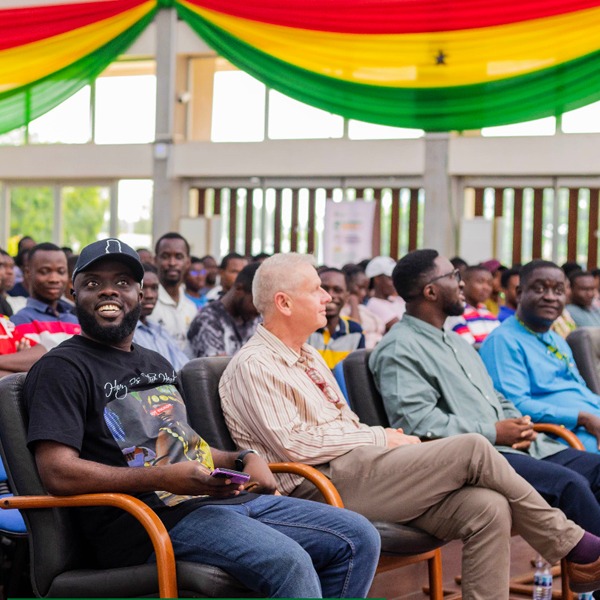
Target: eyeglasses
<point>327,389</point>
<point>195,273</point>
<point>454,273</point>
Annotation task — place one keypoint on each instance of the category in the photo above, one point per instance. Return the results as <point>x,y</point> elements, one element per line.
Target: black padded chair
<point>585,345</point>
<point>401,545</point>
<point>60,566</point>
<point>368,405</point>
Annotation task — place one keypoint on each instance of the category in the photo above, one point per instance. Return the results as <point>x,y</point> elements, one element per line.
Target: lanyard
<point>552,349</point>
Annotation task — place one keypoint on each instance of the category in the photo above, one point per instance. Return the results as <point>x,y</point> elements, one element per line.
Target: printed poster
<point>348,235</point>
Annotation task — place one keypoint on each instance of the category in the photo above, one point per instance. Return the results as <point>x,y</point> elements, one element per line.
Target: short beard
<point>454,309</point>
<point>108,334</point>
<point>168,282</point>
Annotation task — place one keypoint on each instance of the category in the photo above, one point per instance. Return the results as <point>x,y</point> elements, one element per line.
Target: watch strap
<point>239,461</point>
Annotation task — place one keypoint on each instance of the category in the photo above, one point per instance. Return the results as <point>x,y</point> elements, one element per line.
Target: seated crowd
<point>468,357</point>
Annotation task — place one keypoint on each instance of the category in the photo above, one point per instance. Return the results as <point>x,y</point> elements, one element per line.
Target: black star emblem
<point>440,59</point>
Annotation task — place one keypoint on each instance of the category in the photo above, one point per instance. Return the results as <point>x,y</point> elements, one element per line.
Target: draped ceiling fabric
<point>438,65</point>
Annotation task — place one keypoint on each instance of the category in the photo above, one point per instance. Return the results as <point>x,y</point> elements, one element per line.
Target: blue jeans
<point>569,480</point>
<point>283,547</point>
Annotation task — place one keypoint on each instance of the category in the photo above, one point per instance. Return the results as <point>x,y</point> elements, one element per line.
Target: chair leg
<point>564,581</point>
<point>434,564</point>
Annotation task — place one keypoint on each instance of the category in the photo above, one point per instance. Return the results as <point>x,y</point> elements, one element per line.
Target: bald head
<point>278,273</point>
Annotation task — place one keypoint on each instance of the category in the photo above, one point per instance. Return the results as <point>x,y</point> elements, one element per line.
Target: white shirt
<point>175,317</point>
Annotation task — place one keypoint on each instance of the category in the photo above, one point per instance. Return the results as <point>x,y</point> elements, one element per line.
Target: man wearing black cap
<point>106,415</point>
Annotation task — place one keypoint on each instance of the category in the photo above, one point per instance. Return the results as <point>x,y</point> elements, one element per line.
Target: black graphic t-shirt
<point>120,409</point>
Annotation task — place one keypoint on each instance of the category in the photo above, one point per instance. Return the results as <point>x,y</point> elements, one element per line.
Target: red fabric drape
<point>393,16</point>
<point>20,26</point>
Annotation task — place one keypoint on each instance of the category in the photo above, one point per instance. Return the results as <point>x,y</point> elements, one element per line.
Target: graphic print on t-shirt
<point>151,428</point>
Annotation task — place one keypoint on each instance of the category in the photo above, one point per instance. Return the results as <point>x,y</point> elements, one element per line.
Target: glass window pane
<point>241,200</point>
<point>359,130</point>
<point>546,126</point>
<point>563,225</point>
<point>125,109</point>
<point>527,239</point>
<point>548,224</point>
<point>320,200</point>
<point>583,120</point>
<point>85,212</point>
<point>258,219</point>
<point>135,212</point>
<point>583,217</point>
<point>68,123</point>
<point>238,108</point>
<point>508,214</point>
<point>32,212</point>
<point>293,120</point>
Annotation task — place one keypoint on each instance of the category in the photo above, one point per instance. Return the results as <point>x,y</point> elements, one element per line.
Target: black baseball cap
<point>112,249</point>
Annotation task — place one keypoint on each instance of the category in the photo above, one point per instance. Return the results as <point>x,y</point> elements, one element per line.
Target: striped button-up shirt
<point>272,404</point>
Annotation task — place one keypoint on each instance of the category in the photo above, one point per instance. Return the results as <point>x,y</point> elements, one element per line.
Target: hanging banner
<point>348,235</point>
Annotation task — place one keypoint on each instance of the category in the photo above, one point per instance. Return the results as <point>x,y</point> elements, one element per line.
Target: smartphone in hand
<point>235,476</point>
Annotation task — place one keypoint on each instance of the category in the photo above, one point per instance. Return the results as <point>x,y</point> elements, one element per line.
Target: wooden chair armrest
<point>165,558</point>
<point>315,476</point>
<point>562,432</point>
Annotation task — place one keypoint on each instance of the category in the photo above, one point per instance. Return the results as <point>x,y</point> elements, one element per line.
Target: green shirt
<point>434,385</point>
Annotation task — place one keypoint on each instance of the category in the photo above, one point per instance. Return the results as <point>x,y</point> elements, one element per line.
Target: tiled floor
<point>407,583</point>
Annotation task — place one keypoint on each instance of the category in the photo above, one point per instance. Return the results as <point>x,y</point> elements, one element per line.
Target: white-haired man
<point>278,393</point>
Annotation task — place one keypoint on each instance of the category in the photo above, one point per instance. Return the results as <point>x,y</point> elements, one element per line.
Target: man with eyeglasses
<point>278,392</point>
<point>195,281</point>
<point>435,385</point>
<point>534,367</point>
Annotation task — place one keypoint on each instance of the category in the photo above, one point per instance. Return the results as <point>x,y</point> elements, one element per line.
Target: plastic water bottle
<point>542,580</point>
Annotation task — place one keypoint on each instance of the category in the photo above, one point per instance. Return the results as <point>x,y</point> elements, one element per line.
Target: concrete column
<point>442,217</point>
<point>166,202</point>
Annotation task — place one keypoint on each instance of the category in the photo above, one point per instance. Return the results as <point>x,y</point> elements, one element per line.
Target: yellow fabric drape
<point>30,62</point>
<point>423,60</point>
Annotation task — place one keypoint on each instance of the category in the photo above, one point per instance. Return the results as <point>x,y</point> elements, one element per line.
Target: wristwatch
<point>239,461</point>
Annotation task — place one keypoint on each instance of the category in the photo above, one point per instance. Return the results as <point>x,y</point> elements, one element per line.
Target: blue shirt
<point>154,337</point>
<point>539,383</point>
<point>200,302</point>
<point>505,312</point>
<point>36,310</point>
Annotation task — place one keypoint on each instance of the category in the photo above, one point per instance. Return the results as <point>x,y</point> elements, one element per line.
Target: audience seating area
<point>60,566</point>
<point>366,402</point>
<point>401,545</point>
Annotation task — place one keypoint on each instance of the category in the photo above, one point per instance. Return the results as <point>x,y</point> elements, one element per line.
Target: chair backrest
<point>585,345</point>
<point>199,380</point>
<point>363,395</point>
<point>54,544</point>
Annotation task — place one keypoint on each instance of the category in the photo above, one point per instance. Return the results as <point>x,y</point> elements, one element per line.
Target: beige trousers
<point>456,488</point>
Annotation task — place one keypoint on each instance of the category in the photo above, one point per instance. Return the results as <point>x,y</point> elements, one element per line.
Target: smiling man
<point>533,366</point>
<point>105,415</point>
<point>341,335</point>
<point>46,318</point>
